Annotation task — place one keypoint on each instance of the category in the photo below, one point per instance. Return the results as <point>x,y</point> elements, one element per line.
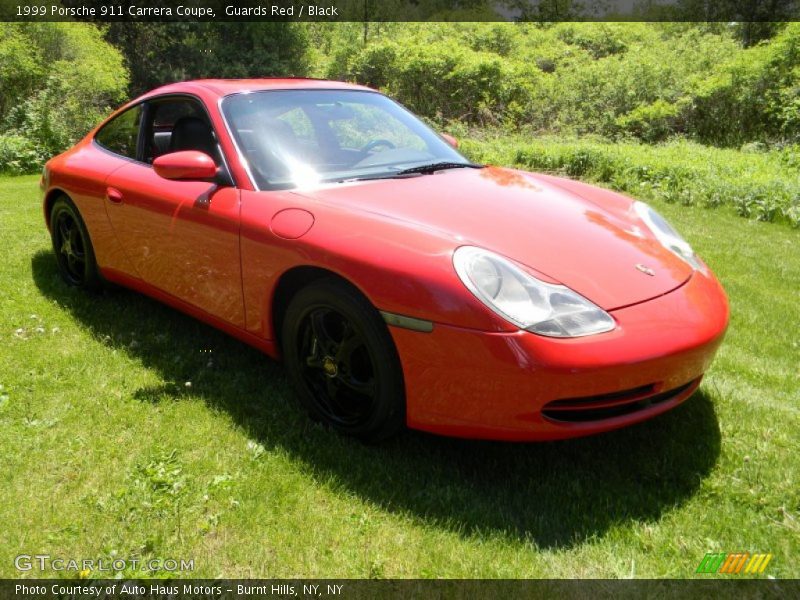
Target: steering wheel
<point>376,144</point>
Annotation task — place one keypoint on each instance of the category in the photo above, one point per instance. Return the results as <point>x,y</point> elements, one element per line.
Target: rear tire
<point>342,361</point>
<point>73,247</point>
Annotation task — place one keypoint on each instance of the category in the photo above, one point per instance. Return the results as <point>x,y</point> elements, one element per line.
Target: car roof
<point>223,87</point>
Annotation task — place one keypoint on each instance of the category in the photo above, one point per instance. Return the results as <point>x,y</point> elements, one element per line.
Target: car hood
<point>596,247</point>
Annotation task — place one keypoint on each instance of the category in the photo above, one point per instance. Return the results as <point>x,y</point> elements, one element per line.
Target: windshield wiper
<point>433,167</point>
<point>412,171</point>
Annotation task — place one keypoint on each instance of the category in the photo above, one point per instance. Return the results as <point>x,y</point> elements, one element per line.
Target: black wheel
<point>72,246</point>
<point>343,362</point>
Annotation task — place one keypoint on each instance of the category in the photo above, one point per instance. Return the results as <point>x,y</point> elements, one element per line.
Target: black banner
<point>399,10</point>
<point>346,589</point>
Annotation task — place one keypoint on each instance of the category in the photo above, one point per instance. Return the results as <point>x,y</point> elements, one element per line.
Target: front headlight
<point>528,303</point>
<point>666,234</point>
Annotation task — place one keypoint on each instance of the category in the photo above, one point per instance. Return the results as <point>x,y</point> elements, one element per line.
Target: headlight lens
<point>528,303</point>
<point>666,234</point>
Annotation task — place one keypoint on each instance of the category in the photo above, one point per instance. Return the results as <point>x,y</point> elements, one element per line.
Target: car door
<point>181,236</point>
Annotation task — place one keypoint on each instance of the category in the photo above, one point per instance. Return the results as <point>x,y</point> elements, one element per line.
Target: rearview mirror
<point>336,111</point>
<point>188,165</point>
<point>449,139</point>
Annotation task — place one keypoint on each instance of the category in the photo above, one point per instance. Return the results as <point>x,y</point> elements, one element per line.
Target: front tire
<point>73,247</point>
<point>342,361</point>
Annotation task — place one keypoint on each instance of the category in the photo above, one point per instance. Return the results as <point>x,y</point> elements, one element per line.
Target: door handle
<point>114,195</point>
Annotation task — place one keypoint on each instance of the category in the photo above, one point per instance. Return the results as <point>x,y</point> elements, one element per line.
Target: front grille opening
<point>608,406</point>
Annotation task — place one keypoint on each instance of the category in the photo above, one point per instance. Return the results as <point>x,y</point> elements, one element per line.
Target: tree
<point>159,53</point>
<point>57,81</point>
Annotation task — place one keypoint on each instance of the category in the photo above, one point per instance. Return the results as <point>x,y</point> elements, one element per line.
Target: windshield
<point>295,138</point>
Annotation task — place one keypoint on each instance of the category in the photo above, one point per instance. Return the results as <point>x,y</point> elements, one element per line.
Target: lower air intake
<point>609,406</point>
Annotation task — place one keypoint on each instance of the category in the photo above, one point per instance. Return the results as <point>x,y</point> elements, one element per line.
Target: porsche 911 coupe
<point>401,284</point>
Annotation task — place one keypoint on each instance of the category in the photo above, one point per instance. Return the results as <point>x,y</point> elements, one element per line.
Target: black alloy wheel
<point>72,246</point>
<point>343,362</point>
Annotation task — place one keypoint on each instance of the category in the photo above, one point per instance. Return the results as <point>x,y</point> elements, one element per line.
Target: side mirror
<point>449,139</point>
<point>188,165</point>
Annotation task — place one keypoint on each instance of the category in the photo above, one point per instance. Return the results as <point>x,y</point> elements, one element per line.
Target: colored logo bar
<point>734,563</point>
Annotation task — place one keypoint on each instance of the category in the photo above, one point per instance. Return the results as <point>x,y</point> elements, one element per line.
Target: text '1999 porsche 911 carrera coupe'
<point>401,284</point>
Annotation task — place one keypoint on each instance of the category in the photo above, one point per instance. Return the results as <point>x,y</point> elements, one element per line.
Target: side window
<point>177,124</point>
<point>120,134</point>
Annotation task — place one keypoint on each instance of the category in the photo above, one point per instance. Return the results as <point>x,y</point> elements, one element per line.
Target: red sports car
<point>401,284</point>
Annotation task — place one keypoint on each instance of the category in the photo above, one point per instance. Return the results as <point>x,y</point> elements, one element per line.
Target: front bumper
<point>505,386</point>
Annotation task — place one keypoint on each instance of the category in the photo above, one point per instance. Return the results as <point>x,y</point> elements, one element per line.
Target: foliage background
<point>731,86</point>
<point>649,81</point>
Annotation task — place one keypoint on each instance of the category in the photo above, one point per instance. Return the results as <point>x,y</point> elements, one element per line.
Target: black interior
<point>178,124</point>
<point>192,133</point>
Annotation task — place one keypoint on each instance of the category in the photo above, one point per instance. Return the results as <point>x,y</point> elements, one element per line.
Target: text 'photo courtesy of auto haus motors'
<point>401,285</point>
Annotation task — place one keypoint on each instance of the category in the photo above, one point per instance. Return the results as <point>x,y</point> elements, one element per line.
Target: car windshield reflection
<point>300,138</point>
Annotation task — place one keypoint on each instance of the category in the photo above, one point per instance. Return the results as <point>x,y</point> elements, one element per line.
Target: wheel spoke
<point>310,350</point>
<point>331,388</point>
<point>63,229</point>
<point>327,397</point>
<point>365,388</point>
<point>76,242</point>
<point>345,407</point>
<point>323,338</point>
<point>350,342</point>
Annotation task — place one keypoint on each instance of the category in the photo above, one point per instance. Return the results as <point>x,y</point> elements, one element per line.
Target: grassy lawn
<point>130,430</point>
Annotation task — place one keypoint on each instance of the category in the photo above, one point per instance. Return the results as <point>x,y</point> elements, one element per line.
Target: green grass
<point>106,451</point>
<point>759,184</point>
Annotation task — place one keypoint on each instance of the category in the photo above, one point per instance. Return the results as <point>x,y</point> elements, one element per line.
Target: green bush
<point>444,80</point>
<point>599,40</point>
<point>754,95</point>
<point>63,79</point>
<point>21,66</point>
<point>18,155</point>
<point>653,122</point>
<point>650,81</point>
<point>496,38</point>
